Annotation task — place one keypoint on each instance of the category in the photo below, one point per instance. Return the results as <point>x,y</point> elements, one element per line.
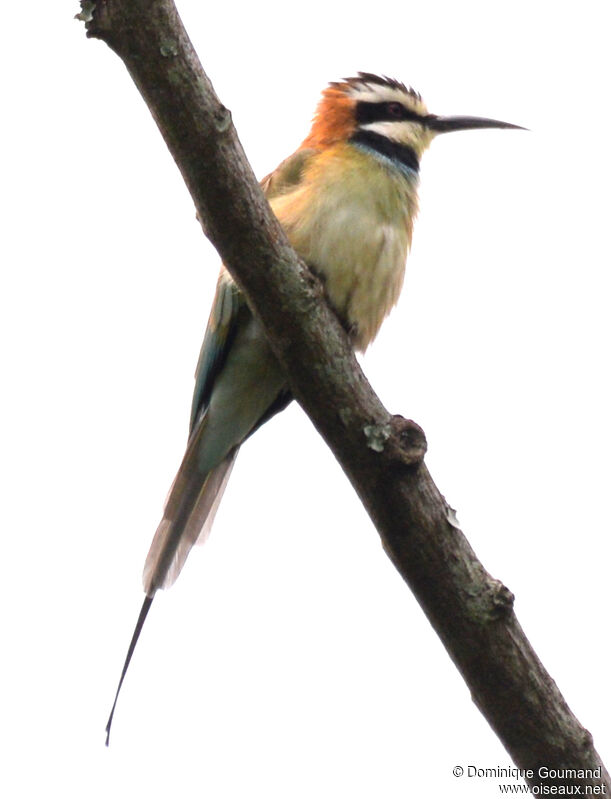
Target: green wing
<point>288,175</point>
<point>229,305</point>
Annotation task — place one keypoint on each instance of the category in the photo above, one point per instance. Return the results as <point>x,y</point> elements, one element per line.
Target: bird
<point>347,199</point>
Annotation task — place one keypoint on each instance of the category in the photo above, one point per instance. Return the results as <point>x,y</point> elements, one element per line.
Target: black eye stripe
<point>367,113</point>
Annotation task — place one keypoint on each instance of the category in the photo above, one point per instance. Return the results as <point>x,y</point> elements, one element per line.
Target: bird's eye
<point>395,110</point>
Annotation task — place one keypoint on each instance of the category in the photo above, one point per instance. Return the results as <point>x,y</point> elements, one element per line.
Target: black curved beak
<point>449,124</point>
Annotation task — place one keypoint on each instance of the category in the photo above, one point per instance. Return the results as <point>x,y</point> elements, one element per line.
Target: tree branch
<point>381,454</point>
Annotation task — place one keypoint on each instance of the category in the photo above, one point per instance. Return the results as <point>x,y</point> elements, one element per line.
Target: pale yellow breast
<point>351,220</point>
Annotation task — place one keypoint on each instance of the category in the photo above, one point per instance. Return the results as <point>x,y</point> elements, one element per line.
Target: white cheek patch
<point>401,130</point>
<point>405,132</point>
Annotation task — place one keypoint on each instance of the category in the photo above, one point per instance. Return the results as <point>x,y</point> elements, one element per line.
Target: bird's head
<point>369,106</point>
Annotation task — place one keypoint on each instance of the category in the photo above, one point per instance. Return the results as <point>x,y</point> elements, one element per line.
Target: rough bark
<point>381,454</point>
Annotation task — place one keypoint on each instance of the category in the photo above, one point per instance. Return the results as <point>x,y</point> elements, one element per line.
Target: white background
<point>290,660</point>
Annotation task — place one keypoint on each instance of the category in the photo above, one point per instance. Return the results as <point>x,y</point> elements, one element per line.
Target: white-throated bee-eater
<point>347,199</point>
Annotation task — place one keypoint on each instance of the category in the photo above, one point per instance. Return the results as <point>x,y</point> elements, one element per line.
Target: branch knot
<point>409,440</point>
<point>500,600</point>
<point>222,119</point>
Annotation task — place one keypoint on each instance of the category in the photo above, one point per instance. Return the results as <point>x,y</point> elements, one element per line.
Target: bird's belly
<point>351,220</point>
<point>362,262</point>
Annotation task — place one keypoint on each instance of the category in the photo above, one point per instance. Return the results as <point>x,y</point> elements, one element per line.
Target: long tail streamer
<point>148,601</point>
